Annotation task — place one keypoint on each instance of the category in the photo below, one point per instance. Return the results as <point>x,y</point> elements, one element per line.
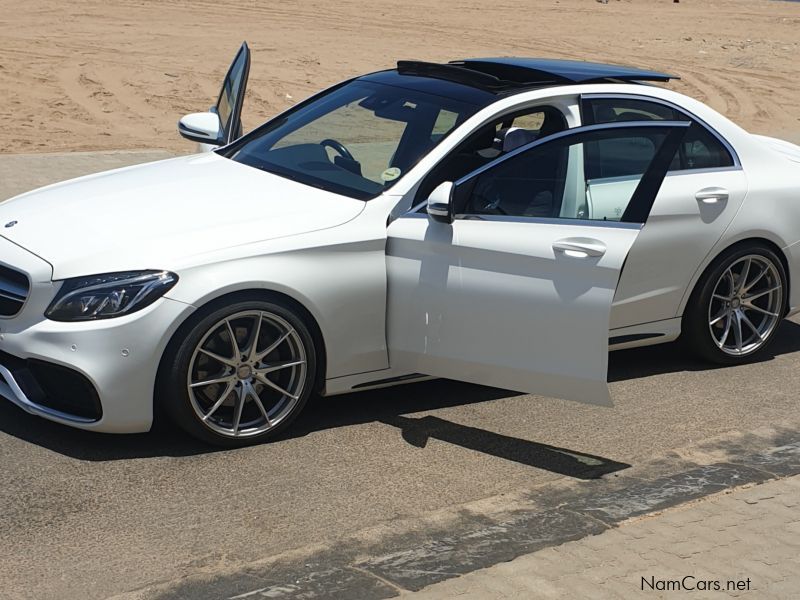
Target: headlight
<point>109,295</point>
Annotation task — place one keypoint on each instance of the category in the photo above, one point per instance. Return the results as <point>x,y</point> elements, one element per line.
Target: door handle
<point>712,195</point>
<point>580,247</point>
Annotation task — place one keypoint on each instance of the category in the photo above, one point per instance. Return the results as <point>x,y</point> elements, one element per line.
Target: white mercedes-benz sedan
<point>498,221</point>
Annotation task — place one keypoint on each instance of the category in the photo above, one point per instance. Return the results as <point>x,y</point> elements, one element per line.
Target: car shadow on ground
<point>417,432</point>
<point>391,406</point>
<point>636,363</point>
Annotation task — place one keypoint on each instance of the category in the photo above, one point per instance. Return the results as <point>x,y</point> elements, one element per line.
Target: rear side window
<point>617,157</point>
<point>700,149</point>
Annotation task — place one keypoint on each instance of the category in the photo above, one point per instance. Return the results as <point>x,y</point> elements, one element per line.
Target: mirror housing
<point>440,203</point>
<point>203,128</point>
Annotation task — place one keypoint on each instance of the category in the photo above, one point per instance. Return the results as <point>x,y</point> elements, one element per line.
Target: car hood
<point>159,215</point>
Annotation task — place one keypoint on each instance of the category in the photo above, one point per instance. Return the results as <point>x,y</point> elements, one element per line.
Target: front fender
<point>343,287</point>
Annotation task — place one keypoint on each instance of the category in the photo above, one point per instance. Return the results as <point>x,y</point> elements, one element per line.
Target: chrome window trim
<point>704,170</point>
<point>549,221</point>
<point>534,220</point>
<point>615,179</point>
<point>737,164</point>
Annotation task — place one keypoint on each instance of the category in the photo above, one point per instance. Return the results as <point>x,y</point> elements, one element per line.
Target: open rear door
<point>231,98</point>
<point>516,291</point>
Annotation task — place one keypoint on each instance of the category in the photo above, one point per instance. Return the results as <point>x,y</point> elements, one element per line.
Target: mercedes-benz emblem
<point>10,224</point>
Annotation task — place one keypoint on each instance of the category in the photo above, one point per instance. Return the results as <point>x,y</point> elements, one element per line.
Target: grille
<point>14,289</point>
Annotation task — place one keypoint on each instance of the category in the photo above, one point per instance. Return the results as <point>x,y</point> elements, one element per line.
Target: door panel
<point>493,303</point>
<point>510,293</point>
<point>678,235</point>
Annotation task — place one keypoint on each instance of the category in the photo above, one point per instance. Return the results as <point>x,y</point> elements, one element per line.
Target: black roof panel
<point>572,71</point>
<point>439,86</point>
<point>512,75</point>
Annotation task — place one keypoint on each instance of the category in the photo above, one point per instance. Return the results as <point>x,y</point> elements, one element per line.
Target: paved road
<point>22,172</point>
<point>88,515</point>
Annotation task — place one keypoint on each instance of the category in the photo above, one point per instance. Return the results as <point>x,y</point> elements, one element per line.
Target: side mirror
<point>203,128</point>
<point>440,206</point>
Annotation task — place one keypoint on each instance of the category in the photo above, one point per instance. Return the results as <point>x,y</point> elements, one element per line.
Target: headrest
<point>514,137</point>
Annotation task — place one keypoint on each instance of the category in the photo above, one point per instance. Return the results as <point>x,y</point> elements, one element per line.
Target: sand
<point>117,74</point>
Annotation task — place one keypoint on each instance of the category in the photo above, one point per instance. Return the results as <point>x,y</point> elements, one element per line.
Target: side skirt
<point>370,381</point>
<point>646,334</point>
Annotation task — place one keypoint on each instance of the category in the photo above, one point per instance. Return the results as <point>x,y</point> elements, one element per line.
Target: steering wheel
<point>488,205</point>
<point>338,147</point>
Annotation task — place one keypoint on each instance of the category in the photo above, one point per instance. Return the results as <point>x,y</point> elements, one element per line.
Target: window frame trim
<point>536,220</point>
<point>737,164</point>
<point>580,130</point>
<point>550,221</point>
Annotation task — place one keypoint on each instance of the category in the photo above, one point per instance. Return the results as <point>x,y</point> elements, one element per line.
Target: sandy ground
<point>115,74</point>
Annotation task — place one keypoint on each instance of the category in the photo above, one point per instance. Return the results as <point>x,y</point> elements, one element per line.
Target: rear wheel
<point>737,305</point>
<point>241,374</point>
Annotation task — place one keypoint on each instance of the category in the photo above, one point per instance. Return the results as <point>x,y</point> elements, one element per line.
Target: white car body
<point>389,301</point>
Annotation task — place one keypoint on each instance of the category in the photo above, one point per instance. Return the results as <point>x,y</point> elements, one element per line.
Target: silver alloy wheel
<point>746,305</point>
<point>247,373</point>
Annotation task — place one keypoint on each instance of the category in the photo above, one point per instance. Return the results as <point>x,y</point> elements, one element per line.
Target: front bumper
<point>116,358</point>
<point>53,390</point>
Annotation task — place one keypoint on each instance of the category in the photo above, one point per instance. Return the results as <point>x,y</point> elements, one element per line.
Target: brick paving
<point>746,533</point>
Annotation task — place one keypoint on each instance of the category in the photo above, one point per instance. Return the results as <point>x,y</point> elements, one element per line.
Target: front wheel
<point>737,305</point>
<point>241,374</point>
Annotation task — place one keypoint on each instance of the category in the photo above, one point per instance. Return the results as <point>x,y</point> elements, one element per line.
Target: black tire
<point>696,328</point>
<point>172,389</point>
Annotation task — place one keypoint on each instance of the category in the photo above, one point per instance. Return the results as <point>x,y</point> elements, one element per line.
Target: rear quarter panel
<point>770,211</point>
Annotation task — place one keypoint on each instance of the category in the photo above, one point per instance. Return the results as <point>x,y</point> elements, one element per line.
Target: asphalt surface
<point>91,516</point>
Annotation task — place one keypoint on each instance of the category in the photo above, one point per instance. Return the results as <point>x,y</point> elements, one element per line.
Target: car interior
<point>594,180</point>
<point>491,141</point>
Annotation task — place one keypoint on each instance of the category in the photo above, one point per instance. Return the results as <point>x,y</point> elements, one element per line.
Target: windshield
<point>357,140</point>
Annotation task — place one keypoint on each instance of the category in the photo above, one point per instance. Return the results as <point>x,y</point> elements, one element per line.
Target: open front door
<point>516,291</point>
<point>229,104</point>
